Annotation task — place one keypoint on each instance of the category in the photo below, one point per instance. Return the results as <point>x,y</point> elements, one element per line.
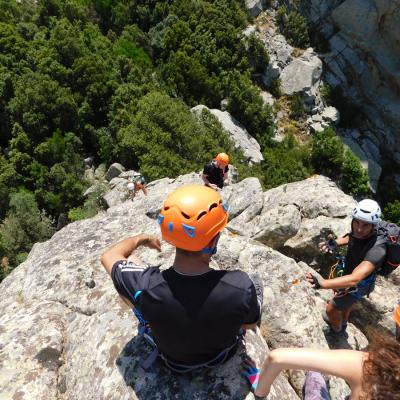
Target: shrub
<point>392,212</point>
<point>275,88</point>
<point>297,107</point>
<point>286,162</point>
<point>327,153</point>
<point>355,178</point>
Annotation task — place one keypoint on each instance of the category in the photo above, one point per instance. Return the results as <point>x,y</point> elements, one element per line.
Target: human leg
<point>335,317</point>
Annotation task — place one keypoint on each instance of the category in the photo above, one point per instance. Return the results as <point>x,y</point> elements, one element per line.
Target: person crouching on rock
<point>193,314</point>
<point>364,256</point>
<point>138,183</point>
<point>215,173</point>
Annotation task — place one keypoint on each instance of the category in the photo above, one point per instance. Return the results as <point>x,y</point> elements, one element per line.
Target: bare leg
<point>335,317</point>
<point>346,314</point>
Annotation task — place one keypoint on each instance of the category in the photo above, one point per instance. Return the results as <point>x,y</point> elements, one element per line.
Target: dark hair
<point>381,369</point>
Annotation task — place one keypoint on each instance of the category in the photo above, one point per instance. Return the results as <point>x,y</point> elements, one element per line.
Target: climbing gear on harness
<point>144,330</point>
<point>223,158</point>
<point>192,216</point>
<point>389,234</point>
<point>368,211</point>
<point>337,269</point>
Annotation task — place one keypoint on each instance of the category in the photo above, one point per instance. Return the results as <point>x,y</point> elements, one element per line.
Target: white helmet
<point>130,186</point>
<point>368,211</point>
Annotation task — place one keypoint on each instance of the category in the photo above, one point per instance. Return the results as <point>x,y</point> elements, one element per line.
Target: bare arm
<point>360,272</point>
<point>122,250</point>
<point>346,364</point>
<point>207,182</point>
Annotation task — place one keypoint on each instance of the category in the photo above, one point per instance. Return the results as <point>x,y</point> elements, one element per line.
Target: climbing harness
<point>144,330</point>
<point>363,288</point>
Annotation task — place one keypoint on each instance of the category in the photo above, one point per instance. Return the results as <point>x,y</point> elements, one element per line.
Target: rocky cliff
<point>64,334</point>
<point>364,58</point>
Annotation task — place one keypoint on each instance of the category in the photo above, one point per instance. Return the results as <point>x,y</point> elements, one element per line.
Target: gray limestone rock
<point>100,172</point>
<point>114,170</point>
<point>241,138</point>
<point>302,74</point>
<point>331,114</point>
<point>255,7</point>
<point>64,333</point>
<point>364,58</point>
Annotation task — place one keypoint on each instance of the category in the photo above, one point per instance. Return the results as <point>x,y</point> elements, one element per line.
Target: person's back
<point>215,173</point>
<point>195,313</point>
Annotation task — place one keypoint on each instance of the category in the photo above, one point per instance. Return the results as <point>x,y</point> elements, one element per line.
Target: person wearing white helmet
<point>137,183</point>
<point>364,256</point>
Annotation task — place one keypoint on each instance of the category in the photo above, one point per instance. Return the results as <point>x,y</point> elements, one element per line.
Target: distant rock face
<point>114,171</point>
<point>241,138</point>
<point>292,218</point>
<point>254,7</point>
<point>302,74</point>
<point>364,39</point>
<point>64,333</point>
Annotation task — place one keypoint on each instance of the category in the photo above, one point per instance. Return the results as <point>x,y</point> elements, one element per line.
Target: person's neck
<point>191,265</point>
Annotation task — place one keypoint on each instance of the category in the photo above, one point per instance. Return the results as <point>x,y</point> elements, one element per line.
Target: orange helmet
<point>396,314</point>
<point>192,216</point>
<point>223,158</point>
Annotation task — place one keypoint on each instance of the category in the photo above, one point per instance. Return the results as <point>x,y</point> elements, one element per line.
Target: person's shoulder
<point>237,278</point>
<point>209,165</point>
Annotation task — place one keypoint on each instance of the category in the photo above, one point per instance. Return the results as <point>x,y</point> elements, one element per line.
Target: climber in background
<point>371,376</point>
<point>215,173</point>
<point>137,183</point>
<point>364,256</point>
<point>192,314</point>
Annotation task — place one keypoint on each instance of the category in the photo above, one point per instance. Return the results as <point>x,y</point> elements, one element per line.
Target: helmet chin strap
<point>209,250</point>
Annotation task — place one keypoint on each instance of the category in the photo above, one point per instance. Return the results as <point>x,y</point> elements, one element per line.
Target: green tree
<point>166,139</point>
<point>24,225</point>
<point>391,212</point>
<point>246,105</point>
<point>285,162</point>
<point>327,153</point>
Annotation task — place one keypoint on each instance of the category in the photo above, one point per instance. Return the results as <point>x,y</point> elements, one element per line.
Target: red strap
<point>392,264</point>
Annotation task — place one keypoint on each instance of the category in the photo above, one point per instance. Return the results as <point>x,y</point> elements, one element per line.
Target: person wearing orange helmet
<point>215,173</point>
<point>191,313</point>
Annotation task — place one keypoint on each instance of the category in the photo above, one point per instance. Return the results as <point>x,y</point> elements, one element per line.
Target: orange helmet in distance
<point>192,216</point>
<point>223,158</point>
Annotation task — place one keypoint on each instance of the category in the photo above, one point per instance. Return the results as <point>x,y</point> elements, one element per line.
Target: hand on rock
<point>314,280</point>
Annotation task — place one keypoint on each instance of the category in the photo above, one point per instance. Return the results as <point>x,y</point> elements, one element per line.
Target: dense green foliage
<point>330,157</point>
<point>287,161</point>
<point>294,26</point>
<point>392,212</point>
<point>116,80</point>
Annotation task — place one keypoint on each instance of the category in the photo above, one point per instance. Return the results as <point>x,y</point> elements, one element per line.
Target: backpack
<point>389,234</point>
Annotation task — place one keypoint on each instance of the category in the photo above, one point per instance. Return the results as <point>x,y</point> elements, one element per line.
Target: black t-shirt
<point>215,174</point>
<point>193,318</point>
<point>359,250</point>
